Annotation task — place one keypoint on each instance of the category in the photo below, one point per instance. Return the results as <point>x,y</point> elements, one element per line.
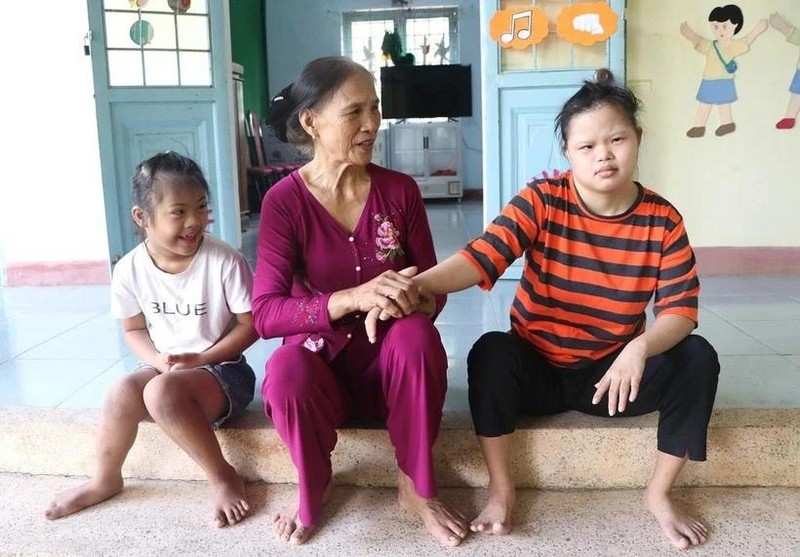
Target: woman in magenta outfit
<point>337,237</point>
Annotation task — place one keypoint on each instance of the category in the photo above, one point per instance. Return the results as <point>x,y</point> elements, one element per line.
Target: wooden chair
<point>260,176</point>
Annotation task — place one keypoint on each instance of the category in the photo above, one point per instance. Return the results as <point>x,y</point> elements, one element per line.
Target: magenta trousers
<point>401,379</point>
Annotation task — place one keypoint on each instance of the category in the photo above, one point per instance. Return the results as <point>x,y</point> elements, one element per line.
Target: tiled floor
<point>60,347</point>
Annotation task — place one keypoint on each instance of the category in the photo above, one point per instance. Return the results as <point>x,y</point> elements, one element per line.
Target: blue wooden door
<point>162,76</point>
<point>523,90</point>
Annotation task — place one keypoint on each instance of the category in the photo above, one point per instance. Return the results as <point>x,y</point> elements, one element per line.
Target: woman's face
<point>603,151</point>
<point>344,129</point>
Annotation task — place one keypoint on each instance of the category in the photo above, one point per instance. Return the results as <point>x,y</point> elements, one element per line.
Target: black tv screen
<point>426,91</point>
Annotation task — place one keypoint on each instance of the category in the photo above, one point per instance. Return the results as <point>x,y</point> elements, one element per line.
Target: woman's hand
<point>427,305</point>
<point>393,292</point>
<point>622,379</point>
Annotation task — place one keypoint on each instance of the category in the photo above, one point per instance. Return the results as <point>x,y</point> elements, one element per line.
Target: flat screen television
<point>426,91</point>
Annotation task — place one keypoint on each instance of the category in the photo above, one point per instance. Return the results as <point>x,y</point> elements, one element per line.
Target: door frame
<point>223,180</point>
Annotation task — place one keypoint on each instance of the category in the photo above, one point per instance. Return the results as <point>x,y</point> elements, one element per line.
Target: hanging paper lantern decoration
<point>142,32</point>
<point>180,6</point>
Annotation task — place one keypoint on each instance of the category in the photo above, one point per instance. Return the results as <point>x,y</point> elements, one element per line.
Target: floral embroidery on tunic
<point>307,311</point>
<point>388,239</point>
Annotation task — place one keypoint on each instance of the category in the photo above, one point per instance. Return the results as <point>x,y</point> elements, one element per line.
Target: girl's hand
<point>622,379</point>
<point>393,292</point>
<point>162,365</point>
<point>179,362</point>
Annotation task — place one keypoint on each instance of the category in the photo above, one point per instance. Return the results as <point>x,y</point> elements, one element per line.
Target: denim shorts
<point>238,382</point>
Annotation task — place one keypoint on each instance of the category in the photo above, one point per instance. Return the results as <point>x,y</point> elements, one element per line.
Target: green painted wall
<point>248,48</point>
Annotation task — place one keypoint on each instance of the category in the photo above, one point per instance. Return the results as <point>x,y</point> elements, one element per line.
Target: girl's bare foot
<point>288,526</point>
<point>85,495</point>
<point>681,530</point>
<point>495,518</point>
<point>445,524</point>
<point>230,500</point>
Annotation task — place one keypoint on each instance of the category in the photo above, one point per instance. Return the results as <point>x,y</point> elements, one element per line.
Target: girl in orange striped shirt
<point>598,246</point>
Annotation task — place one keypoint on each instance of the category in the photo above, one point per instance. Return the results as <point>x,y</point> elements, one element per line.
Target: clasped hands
<point>179,362</point>
<point>392,294</point>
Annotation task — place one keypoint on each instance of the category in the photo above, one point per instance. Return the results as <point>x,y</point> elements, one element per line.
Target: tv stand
<point>430,152</point>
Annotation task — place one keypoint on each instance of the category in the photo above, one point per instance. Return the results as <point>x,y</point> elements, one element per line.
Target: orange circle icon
<point>586,24</point>
<point>519,27</point>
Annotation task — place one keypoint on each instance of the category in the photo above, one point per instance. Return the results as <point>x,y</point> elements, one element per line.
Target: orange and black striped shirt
<point>587,279</point>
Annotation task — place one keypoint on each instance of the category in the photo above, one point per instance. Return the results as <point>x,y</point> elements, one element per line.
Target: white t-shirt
<point>188,311</point>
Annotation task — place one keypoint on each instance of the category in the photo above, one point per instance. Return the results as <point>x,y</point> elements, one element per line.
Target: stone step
<point>173,518</point>
<point>570,451</point>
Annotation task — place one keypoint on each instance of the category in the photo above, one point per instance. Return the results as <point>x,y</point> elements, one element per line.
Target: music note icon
<point>524,33</point>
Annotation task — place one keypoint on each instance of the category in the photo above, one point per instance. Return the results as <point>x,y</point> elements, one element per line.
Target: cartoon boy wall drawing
<point>792,35</point>
<point>717,87</point>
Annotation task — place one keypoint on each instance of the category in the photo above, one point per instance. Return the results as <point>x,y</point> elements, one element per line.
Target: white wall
<point>299,31</point>
<point>51,198</point>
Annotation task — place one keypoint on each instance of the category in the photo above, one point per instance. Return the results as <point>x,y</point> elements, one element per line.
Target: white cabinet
<point>379,148</point>
<point>431,153</point>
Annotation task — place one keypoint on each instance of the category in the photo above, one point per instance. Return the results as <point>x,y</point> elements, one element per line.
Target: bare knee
<point>124,400</point>
<point>162,394</point>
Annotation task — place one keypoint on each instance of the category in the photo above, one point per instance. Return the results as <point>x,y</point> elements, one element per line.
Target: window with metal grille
<point>430,34</point>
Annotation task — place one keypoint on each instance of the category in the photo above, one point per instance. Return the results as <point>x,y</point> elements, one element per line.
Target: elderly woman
<point>338,237</point>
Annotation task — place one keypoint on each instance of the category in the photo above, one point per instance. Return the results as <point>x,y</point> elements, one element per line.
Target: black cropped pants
<point>508,378</point>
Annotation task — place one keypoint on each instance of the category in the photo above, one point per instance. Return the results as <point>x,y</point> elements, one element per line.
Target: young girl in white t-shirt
<point>184,300</point>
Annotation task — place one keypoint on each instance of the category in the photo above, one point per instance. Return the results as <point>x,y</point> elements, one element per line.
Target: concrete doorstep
<point>568,451</point>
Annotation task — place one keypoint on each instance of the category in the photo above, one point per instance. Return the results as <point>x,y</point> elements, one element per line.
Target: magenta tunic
<point>304,255</point>
<point>327,372</point>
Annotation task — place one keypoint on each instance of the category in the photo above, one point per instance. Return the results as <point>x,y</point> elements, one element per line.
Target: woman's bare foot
<point>445,524</point>
<point>288,526</point>
<point>230,500</point>
<point>495,518</point>
<point>85,495</point>
<point>681,530</point>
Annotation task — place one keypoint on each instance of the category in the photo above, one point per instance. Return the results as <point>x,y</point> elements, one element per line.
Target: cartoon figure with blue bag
<point>717,87</point>
<point>792,35</point>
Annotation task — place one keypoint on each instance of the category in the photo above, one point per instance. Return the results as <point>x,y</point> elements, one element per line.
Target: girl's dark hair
<point>316,84</point>
<point>597,93</point>
<point>729,12</point>
<point>148,189</point>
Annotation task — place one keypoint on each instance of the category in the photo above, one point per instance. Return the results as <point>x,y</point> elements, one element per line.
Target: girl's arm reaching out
<point>453,274</point>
